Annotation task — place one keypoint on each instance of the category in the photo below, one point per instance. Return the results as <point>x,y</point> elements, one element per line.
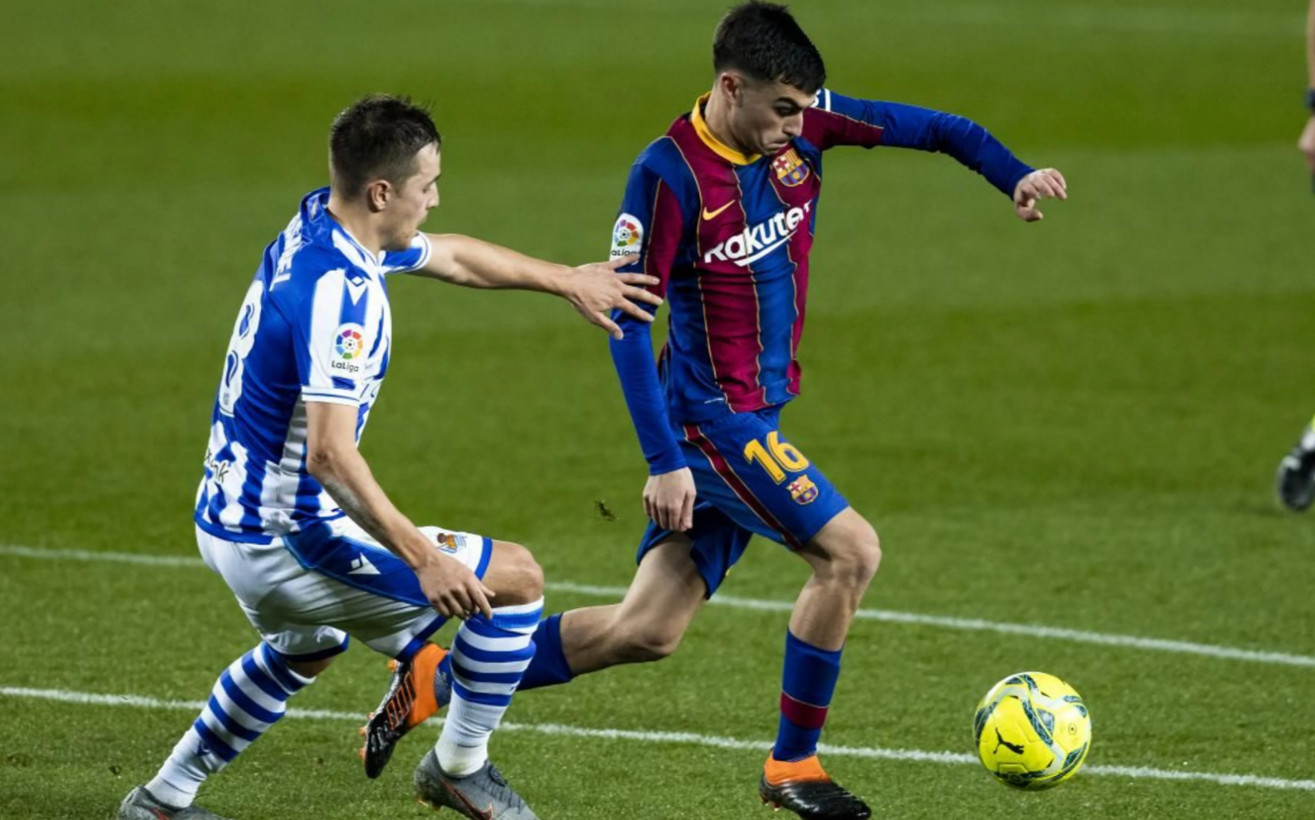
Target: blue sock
<point>807,684</point>
<point>548,667</point>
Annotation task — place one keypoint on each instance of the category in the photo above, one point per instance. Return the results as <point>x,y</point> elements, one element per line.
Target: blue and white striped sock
<point>488,659</point>
<point>249,697</point>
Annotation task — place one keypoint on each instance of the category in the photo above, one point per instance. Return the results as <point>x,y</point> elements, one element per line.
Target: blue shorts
<point>749,480</point>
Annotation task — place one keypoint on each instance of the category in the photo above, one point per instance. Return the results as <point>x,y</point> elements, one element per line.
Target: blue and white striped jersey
<point>315,326</point>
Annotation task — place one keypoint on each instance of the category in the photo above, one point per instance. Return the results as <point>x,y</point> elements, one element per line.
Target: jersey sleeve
<point>410,259</point>
<point>331,339</point>
<point>836,119</point>
<point>650,226</point>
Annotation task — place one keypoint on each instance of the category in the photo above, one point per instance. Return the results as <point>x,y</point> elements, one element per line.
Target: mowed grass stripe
<point>754,604</point>
<point>1144,19</point>
<point>690,738</point>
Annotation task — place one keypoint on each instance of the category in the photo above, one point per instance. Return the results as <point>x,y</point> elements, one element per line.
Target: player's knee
<point>310,669</point>
<point>868,556</point>
<point>855,561</point>
<point>520,578</point>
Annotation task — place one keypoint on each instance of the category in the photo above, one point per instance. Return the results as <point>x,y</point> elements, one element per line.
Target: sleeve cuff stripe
<point>330,398</point>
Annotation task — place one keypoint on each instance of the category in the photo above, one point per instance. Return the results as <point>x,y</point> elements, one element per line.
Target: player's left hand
<point>597,289</point>
<point>1046,183</point>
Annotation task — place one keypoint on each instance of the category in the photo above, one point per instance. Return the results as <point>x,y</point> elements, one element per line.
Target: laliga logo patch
<point>803,490</point>
<point>348,349</point>
<point>627,236</point>
<point>790,169</point>
<point>349,342</point>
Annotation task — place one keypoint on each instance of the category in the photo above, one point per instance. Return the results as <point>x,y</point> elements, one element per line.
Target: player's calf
<point>644,642</point>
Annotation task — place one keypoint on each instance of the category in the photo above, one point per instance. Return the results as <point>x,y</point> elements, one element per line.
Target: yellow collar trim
<point>718,147</point>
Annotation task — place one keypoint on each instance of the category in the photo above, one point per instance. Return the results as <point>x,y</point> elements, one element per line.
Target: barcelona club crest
<point>803,490</point>
<point>790,169</point>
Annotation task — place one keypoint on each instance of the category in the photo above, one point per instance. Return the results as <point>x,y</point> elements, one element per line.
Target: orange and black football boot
<point>805,788</point>
<point>416,693</point>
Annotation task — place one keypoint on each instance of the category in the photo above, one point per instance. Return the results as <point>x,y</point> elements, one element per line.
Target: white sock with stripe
<point>488,659</point>
<point>249,697</point>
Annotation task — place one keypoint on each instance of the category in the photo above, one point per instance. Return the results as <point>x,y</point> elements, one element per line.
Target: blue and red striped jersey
<point>729,236</point>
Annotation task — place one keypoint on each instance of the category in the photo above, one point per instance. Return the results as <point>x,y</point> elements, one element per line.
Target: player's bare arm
<point>333,460</point>
<point>1045,183</point>
<point>594,289</point>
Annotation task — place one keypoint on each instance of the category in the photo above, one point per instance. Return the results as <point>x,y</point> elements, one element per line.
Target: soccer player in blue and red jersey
<point>722,209</point>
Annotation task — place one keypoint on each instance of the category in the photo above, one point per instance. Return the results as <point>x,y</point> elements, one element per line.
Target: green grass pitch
<point>1072,424</point>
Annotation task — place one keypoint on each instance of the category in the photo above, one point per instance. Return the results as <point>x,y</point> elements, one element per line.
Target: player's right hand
<point>669,499</point>
<point>1307,143</point>
<point>452,589</point>
<point>596,289</point>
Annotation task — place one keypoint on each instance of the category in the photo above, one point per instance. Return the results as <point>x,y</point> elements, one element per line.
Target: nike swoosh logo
<point>482,814</point>
<point>713,214</point>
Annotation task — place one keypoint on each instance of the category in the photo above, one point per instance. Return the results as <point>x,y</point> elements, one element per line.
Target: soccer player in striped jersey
<point>288,512</point>
<point>723,209</point>
<point>1296,471</point>
<point>1295,483</point>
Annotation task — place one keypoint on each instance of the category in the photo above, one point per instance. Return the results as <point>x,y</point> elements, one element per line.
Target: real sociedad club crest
<point>450,543</point>
<point>790,169</point>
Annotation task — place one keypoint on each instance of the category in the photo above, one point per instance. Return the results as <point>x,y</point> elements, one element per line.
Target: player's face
<point>412,201</point>
<point>766,116</point>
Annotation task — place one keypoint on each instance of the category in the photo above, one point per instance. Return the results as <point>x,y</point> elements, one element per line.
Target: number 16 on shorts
<point>778,458</point>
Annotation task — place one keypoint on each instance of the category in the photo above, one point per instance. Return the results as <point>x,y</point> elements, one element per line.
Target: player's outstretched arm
<point>333,460</point>
<point>840,120</point>
<point>1046,183</point>
<point>594,289</point>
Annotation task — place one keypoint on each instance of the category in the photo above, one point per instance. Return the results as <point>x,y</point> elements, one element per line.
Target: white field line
<point>690,738</point>
<point>886,615</point>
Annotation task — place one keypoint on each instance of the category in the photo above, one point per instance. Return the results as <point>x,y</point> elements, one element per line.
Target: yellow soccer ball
<point>1032,730</point>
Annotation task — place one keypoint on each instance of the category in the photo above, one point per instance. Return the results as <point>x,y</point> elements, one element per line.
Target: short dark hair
<point>378,136</point>
<point>764,41</point>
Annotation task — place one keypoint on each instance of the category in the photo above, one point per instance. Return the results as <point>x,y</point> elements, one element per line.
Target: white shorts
<point>305,593</point>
